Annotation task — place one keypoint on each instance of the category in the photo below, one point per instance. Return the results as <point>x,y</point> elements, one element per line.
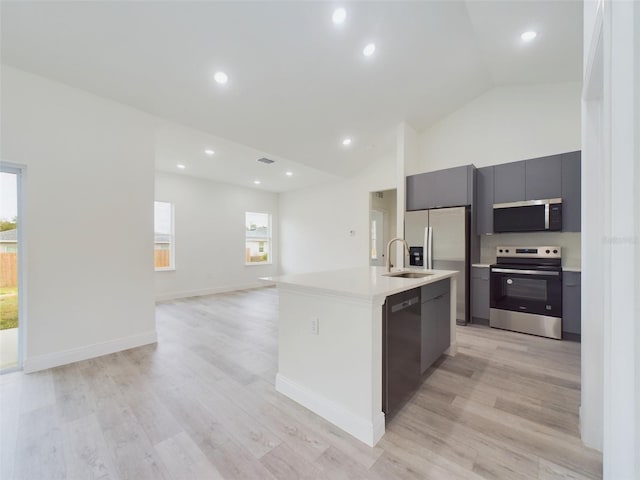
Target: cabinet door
<point>543,178</point>
<point>571,311</point>
<point>451,187</point>
<point>571,171</point>
<point>443,306</point>
<point>480,293</point>
<point>419,189</point>
<point>484,201</point>
<point>442,188</point>
<point>509,182</point>
<point>429,351</point>
<point>435,313</point>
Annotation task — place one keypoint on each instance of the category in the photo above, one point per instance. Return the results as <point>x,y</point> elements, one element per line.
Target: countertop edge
<point>370,297</point>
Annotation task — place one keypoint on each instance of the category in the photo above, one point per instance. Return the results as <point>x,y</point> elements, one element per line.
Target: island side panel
<point>336,373</point>
<point>453,345</point>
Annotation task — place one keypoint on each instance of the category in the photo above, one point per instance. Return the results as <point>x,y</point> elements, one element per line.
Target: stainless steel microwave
<point>528,216</point>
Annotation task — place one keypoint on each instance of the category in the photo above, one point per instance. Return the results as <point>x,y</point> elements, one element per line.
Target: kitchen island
<point>330,342</point>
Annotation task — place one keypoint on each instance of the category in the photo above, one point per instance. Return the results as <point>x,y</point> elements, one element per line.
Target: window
<point>164,248</point>
<point>257,238</point>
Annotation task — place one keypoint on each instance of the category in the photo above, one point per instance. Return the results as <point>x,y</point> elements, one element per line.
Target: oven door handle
<point>526,272</point>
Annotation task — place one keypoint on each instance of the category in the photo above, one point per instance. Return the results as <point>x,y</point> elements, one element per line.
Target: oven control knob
<point>548,251</point>
<point>500,250</point>
<point>507,250</point>
<point>509,281</point>
<point>555,251</point>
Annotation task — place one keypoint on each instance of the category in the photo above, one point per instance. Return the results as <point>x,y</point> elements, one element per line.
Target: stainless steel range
<point>526,290</point>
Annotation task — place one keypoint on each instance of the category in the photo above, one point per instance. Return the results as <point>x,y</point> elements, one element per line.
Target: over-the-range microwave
<point>528,216</point>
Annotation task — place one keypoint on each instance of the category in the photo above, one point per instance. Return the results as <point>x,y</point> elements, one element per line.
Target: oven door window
<point>527,289</point>
<point>541,295</point>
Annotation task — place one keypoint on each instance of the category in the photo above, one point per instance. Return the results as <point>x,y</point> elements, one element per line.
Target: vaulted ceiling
<point>298,84</point>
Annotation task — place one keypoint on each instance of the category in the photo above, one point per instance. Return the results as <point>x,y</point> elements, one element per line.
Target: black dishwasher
<point>401,346</point>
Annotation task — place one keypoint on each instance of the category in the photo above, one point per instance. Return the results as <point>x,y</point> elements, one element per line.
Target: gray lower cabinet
<point>571,310</point>
<point>571,170</point>
<point>484,200</point>
<point>480,295</point>
<point>436,322</point>
<point>451,187</point>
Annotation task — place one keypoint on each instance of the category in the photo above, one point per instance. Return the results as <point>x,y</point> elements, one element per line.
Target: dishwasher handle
<point>404,305</point>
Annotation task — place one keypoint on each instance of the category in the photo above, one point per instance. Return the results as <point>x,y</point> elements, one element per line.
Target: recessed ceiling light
<point>257,182</point>
<point>346,142</point>
<point>288,174</point>
<point>221,78</point>
<point>528,36</point>
<point>339,16</point>
<point>369,49</point>
<point>181,166</point>
<point>209,152</point>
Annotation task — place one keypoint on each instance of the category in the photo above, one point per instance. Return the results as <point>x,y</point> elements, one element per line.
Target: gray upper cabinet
<point>571,170</point>
<point>534,179</point>
<point>543,178</point>
<point>443,188</point>
<point>509,182</point>
<point>555,176</point>
<point>484,200</point>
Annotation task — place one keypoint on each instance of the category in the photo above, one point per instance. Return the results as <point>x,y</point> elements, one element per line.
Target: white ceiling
<point>297,84</point>
<point>231,163</point>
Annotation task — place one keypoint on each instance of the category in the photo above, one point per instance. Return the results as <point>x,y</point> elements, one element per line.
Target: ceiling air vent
<point>266,161</point>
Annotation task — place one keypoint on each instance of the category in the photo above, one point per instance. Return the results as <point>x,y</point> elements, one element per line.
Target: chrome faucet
<point>406,247</point>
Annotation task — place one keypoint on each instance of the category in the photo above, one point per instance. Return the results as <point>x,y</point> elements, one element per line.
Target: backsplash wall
<point>569,241</point>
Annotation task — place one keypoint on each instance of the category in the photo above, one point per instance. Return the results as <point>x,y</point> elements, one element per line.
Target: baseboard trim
<point>163,297</point>
<point>452,351</point>
<point>42,362</point>
<point>369,432</point>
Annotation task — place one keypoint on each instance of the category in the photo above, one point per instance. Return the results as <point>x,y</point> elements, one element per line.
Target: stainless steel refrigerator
<point>440,239</point>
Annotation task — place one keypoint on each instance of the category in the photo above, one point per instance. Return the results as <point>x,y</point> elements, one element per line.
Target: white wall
<point>88,219</point>
<point>387,204</point>
<point>503,125</point>
<point>610,417</point>
<point>210,236</point>
<point>315,222</point>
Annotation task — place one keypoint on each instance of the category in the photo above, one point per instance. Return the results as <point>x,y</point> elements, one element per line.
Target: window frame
<point>268,240</point>
<point>172,242</point>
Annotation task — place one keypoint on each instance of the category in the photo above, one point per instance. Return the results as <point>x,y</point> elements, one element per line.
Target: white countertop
<point>363,282</point>
<point>571,269</point>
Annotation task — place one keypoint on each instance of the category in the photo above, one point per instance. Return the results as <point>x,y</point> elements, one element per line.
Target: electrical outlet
<point>315,326</point>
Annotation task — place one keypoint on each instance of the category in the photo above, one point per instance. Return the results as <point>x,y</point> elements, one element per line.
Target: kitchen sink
<point>407,274</point>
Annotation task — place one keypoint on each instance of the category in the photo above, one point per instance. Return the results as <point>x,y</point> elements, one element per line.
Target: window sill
<point>166,269</point>
<point>257,264</point>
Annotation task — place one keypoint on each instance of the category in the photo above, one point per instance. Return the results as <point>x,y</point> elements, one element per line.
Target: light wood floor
<point>202,405</point>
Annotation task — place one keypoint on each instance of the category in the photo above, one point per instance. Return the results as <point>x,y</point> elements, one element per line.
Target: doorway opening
<point>10,251</point>
<point>382,226</point>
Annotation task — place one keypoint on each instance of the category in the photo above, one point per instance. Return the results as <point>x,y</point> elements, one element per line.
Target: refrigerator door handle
<point>428,233</point>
